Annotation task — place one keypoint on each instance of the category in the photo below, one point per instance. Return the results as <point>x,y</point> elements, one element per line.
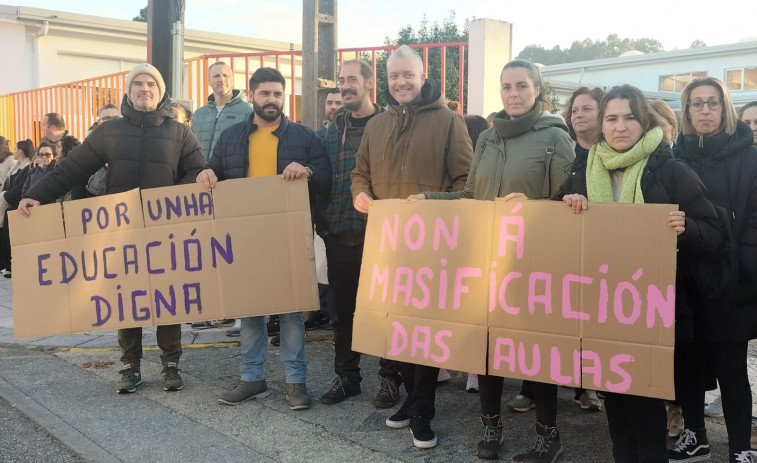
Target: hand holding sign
<point>208,178</point>
<point>362,202</point>
<point>25,204</point>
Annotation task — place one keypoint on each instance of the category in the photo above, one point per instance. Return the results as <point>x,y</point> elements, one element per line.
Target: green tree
<point>447,31</point>
<point>697,44</point>
<point>142,18</point>
<point>587,49</point>
<point>553,98</point>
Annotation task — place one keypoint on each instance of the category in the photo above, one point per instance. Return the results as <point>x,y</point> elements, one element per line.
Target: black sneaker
<point>202,325</point>
<point>399,420</point>
<point>273,325</point>
<point>276,340</point>
<point>317,321</point>
<point>488,446</point>
<point>546,447</point>
<point>389,394</point>
<point>423,436</point>
<point>692,445</point>
<point>341,388</point>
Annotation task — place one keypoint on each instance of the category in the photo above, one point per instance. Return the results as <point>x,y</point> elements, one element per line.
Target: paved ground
<point>65,385</point>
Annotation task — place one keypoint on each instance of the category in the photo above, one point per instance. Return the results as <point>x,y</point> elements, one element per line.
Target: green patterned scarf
<point>603,159</point>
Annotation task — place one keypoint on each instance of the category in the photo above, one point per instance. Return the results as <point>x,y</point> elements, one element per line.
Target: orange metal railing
<point>79,101</point>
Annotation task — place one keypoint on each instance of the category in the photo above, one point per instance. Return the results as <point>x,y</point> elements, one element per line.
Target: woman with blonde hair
<point>667,120</point>
<point>720,148</point>
<point>6,158</point>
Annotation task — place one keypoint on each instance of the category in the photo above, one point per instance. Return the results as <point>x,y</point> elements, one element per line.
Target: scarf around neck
<point>508,127</point>
<point>603,159</point>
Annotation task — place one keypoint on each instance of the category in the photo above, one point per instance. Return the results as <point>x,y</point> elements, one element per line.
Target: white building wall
<point>645,71</point>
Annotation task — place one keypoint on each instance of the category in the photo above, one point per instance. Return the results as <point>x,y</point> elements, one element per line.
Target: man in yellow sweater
<point>268,143</point>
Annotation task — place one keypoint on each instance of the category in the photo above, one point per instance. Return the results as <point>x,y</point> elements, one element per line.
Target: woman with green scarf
<point>528,150</point>
<point>632,163</point>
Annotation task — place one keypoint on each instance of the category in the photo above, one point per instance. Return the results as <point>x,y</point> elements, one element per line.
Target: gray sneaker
<point>297,396</point>
<point>244,391</point>
<point>521,404</point>
<point>130,379</point>
<point>589,402</point>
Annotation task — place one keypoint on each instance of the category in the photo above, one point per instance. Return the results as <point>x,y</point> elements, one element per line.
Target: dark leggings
<point>728,361</point>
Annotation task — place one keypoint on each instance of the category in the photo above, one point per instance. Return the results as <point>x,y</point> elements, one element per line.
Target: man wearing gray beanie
<point>146,148</point>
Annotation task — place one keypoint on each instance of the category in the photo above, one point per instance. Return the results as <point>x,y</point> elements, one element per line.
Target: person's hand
<point>514,196</point>
<point>294,171</point>
<point>417,197</point>
<point>208,178</point>
<point>677,221</point>
<point>362,202</point>
<point>25,204</point>
<point>576,202</point>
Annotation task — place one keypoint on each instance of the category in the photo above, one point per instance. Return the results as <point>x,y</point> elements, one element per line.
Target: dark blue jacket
<point>297,143</point>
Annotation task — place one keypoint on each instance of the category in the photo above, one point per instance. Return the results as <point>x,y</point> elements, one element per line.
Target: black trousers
<point>420,384</point>
<point>728,362</point>
<point>5,246</point>
<point>344,274</point>
<point>637,428</point>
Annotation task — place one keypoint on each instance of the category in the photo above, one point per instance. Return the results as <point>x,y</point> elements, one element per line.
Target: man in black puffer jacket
<point>144,149</point>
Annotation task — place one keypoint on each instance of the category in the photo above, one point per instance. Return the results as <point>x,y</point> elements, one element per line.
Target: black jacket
<point>142,150</point>
<point>13,186</point>
<point>297,143</point>
<point>668,181</point>
<point>727,166</point>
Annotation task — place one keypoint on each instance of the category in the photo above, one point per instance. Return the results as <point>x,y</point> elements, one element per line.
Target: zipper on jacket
<point>701,141</point>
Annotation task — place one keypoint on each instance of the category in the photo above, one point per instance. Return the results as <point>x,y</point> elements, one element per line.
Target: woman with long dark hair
<point>633,164</point>
<point>527,150</point>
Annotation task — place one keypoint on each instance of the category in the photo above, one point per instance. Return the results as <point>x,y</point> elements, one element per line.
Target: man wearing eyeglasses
<point>106,113</point>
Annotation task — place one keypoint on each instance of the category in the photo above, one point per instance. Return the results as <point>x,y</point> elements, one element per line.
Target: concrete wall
<point>489,49</point>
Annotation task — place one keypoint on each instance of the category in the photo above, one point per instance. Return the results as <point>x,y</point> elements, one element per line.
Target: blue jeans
<point>254,343</point>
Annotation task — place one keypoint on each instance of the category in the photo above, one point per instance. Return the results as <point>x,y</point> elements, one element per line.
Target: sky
<point>365,23</point>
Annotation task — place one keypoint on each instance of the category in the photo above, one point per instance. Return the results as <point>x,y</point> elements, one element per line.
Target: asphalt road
<point>24,441</point>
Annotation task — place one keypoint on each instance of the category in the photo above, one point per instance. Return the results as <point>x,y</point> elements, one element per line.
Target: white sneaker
<point>714,408</point>
<point>443,376</point>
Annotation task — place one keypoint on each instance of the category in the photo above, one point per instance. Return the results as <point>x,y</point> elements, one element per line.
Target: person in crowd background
<point>333,104</point>
<point>748,114</point>
<point>6,158</point>
<point>46,154</point>
<point>182,114</point>
<point>10,196</point>
<point>667,120</point>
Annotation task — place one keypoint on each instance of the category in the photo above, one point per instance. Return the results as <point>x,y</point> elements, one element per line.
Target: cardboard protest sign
<point>574,299</point>
<point>164,256</point>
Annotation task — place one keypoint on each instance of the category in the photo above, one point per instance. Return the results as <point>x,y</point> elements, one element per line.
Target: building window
<point>676,82</point>
<point>741,79</point>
